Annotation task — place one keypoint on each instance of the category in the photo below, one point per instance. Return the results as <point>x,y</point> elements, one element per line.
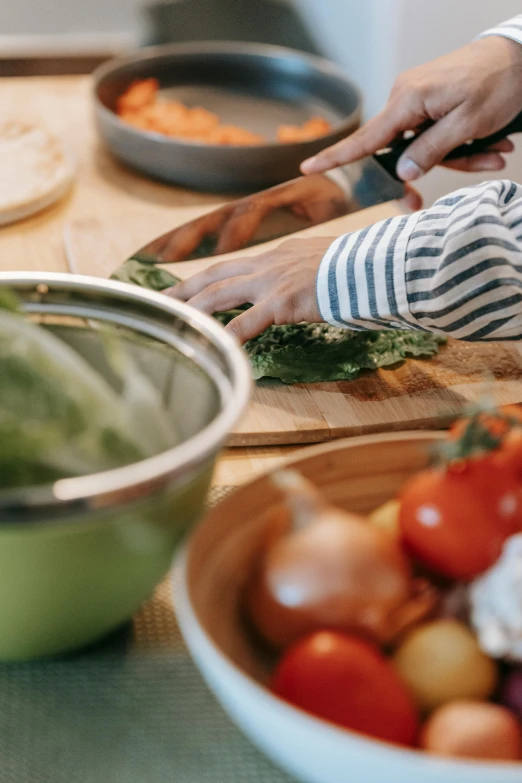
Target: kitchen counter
<point>103,187</point>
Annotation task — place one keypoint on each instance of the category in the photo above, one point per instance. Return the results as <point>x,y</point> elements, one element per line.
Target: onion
<point>329,569</point>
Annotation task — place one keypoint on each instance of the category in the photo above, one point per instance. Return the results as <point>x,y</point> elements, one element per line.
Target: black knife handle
<point>390,157</point>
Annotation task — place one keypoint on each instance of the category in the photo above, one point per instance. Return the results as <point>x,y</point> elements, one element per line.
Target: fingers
<point>251,323</point>
<point>224,295</point>
<point>489,160</point>
<point>375,135</point>
<point>412,199</point>
<point>214,274</point>
<point>432,146</point>
<point>504,145</point>
<point>484,162</point>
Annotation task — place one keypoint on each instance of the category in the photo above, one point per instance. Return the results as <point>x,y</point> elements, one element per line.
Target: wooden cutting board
<point>418,394</point>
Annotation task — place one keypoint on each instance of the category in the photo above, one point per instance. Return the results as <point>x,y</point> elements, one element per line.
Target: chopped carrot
<point>312,129</point>
<point>138,95</point>
<point>231,134</point>
<point>140,107</point>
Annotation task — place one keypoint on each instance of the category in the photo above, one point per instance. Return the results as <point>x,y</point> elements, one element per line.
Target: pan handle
<point>389,157</point>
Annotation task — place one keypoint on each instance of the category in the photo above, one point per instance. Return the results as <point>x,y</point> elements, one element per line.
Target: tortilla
<point>36,171</point>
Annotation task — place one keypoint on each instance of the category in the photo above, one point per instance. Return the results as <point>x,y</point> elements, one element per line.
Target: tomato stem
<point>485,431</point>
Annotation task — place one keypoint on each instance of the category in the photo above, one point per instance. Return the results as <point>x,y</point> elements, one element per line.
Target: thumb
<point>432,146</point>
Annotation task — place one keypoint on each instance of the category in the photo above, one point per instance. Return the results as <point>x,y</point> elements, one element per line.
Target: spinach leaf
<point>306,353</point>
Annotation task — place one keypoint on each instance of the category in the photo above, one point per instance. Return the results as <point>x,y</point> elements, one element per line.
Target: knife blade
<point>365,183</point>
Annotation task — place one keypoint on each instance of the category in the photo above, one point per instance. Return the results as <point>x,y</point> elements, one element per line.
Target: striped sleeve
<point>455,269</point>
<point>510,29</point>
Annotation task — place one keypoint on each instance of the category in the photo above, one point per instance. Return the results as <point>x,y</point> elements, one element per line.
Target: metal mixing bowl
<point>257,86</point>
<point>78,557</point>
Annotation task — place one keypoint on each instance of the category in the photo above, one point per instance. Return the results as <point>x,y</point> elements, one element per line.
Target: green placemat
<point>133,709</point>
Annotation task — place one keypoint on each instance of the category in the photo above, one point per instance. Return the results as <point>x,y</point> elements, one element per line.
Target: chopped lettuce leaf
<point>306,353</point>
<point>314,353</point>
<point>145,275</point>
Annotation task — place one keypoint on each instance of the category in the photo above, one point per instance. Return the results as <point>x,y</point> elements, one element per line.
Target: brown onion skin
<point>335,572</point>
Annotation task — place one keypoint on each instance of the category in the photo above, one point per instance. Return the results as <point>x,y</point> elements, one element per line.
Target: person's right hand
<point>469,94</point>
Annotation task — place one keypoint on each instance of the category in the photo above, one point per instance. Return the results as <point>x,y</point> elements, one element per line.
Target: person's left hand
<point>279,284</point>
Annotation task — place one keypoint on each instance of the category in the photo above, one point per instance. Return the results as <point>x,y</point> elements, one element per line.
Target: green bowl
<point>78,557</point>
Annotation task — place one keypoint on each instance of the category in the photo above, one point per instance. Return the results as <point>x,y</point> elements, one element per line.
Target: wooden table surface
<point>102,188</point>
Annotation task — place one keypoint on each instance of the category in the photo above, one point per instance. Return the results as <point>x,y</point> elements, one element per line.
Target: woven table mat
<point>133,709</point>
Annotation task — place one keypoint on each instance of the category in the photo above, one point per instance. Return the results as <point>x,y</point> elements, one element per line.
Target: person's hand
<point>412,199</point>
<point>316,198</point>
<point>279,284</point>
<point>469,94</point>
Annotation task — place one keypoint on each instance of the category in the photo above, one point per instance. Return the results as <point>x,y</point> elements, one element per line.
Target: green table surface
<point>133,709</point>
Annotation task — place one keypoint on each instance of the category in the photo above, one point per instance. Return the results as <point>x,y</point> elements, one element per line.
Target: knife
<point>365,183</point>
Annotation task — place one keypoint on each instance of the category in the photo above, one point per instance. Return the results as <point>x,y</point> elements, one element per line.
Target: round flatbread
<point>34,170</point>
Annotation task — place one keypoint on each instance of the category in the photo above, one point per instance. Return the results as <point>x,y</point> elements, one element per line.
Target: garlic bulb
<point>496,604</point>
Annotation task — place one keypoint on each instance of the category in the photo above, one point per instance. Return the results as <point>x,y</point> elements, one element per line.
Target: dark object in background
<point>260,21</point>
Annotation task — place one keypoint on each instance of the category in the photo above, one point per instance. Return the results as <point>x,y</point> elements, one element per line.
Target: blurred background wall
<point>373,40</point>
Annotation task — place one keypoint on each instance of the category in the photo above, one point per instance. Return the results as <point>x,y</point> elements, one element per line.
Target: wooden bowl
<point>358,475</point>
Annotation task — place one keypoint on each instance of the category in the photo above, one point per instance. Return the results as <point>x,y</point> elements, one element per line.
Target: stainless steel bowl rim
<point>111,488</point>
<point>202,47</point>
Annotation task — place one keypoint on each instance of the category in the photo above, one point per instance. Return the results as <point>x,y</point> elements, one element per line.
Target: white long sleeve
<point>510,29</point>
<point>455,268</point>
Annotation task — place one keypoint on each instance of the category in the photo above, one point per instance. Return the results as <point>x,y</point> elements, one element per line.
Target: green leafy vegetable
<point>145,275</point>
<point>313,353</point>
<point>306,353</point>
<point>59,417</point>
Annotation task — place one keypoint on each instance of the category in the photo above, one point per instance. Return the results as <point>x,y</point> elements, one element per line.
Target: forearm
<point>455,268</point>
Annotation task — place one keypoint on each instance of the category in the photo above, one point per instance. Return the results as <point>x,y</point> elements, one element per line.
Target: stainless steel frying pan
<point>257,86</point>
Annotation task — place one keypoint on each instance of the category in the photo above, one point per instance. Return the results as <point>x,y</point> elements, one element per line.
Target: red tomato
<point>455,520</point>
<point>349,682</point>
<point>511,451</point>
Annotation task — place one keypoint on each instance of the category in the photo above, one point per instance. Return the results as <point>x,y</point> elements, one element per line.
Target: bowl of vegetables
<point>359,613</point>
<point>114,403</point>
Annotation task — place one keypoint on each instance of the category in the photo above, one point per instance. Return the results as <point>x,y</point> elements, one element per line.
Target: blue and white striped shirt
<point>455,268</point>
